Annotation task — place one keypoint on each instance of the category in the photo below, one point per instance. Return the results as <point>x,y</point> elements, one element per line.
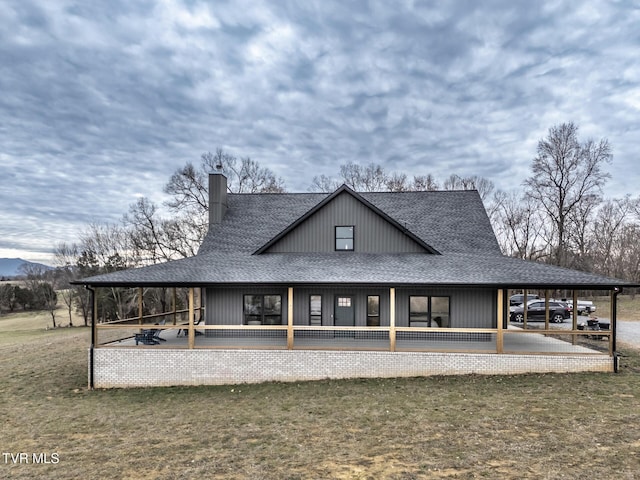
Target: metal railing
<point>472,340</point>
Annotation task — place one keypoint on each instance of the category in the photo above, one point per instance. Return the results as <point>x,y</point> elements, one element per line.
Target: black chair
<point>146,337</point>
<point>150,336</point>
<point>185,331</point>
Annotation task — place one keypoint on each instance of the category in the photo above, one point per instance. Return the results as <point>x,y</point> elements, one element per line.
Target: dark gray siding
<point>373,234</point>
<point>224,306</point>
<point>469,308</point>
<point>301,303</point>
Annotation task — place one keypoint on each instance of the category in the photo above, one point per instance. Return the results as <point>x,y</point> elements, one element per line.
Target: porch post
<point>174,305</point>
<point>574,325</point>
<point>94,317</point>
<point>546,309</point>
<point>140,304</point>
<point>524,309</point>
<point>192,333</point>
<point>500,320</point>
<point>392,319</point>
<point>290,318</point>
<point>613,325</point>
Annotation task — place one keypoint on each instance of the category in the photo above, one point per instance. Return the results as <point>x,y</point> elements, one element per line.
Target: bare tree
<point>43,293</point>
<point>520,230</point>
<point>364,178</point>
<point>159,239</point>
<point>482,185</point>
<point>424,183</point>
<point>374,178</point>
<point>564,173</point>
<point>397,182</point>
<point>606,233</point>
<point>627,248</point>
<point>66,258</point>
<point>244,175</point>
<point>154,239</point>
<point>109,248</point>
<point>324,184</point>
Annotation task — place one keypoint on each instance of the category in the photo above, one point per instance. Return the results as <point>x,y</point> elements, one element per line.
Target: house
<point>306,286</point>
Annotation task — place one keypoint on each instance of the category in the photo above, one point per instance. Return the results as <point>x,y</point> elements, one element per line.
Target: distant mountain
<point>10,267</point>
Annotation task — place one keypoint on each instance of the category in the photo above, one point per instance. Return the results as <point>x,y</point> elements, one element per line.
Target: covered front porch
<point>290,352</point>
<point>185,329</point>
<point>514,339</point>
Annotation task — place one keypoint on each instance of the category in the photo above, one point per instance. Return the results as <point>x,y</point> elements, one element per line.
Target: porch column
<point>192,333</point>
<point>94,317</point>
<point>574,317</point>
<point>613,321</point>
<point>140,304</point>
<point>392,319</point>
<point>174,305</point>
<point>500,320</point>
<point>290,318</point>
<point>524,309</point>
<point>546,309</point>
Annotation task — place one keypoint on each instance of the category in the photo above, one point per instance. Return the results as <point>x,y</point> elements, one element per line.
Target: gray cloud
<point>102,101</point>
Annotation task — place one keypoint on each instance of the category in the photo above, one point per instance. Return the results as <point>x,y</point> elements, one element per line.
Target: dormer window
<point>344,238</point>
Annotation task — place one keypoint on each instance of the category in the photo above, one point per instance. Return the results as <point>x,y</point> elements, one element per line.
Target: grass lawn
<point>628,307</point>
<point>552,426</point>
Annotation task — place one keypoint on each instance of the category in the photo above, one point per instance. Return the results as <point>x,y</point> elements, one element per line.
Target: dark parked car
<point>558,312</point>
<point>519,299</point>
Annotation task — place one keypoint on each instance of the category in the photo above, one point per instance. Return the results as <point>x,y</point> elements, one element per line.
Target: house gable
<point>373,232</point>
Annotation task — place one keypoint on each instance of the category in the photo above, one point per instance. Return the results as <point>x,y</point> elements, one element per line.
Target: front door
<point>344,312</point>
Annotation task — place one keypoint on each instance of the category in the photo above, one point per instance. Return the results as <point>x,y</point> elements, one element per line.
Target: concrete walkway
<point>629,333</point>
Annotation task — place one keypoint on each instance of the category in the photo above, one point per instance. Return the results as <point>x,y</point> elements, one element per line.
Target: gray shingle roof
<point>454,223</point>
<point>449,221</point>
<point>354,268</point>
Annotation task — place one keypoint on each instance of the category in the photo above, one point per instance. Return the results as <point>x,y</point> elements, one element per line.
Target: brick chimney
<point>217,197</point>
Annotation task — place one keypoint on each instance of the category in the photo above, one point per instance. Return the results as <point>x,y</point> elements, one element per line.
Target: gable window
<point>262,310</point>
<point>315,310</point>
<point>344,238</point>
<point>427,311</point>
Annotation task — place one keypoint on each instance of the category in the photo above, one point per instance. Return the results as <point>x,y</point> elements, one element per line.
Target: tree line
<point>35,291</point>
<point>557,215</point>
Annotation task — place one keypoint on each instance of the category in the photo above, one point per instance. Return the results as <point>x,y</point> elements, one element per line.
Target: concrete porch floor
<point>514,342</point>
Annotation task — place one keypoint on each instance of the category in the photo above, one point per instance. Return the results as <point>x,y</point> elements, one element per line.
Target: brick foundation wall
<point>140,367</point>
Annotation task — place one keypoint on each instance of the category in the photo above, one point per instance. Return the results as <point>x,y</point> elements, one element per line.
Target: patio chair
<point>185,331</point>
<point>150,336</point>
<point>158,331</point>
<point>146,338</point>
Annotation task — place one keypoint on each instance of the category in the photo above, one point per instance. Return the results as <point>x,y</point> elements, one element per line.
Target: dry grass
<point>528,426</point>
<point>628,307</point>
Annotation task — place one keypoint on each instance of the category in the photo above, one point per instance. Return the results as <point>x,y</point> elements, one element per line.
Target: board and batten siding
<point>469,307</point>
<point>301,303</point>
<point>225,305</point>
<point>372,233</point>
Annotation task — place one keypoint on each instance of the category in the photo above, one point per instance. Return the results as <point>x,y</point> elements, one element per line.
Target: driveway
<point>628,332</point>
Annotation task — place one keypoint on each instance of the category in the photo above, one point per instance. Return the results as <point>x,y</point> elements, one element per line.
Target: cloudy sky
<point>102,101</point>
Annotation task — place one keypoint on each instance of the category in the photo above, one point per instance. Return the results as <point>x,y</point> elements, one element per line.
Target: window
<point>315,310</point>
<point>262,310</point>
<point>429,311</point>
<point>440,312</point>
<point>373,311</point>
<point>344,301</point>
<point>344,238</point>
